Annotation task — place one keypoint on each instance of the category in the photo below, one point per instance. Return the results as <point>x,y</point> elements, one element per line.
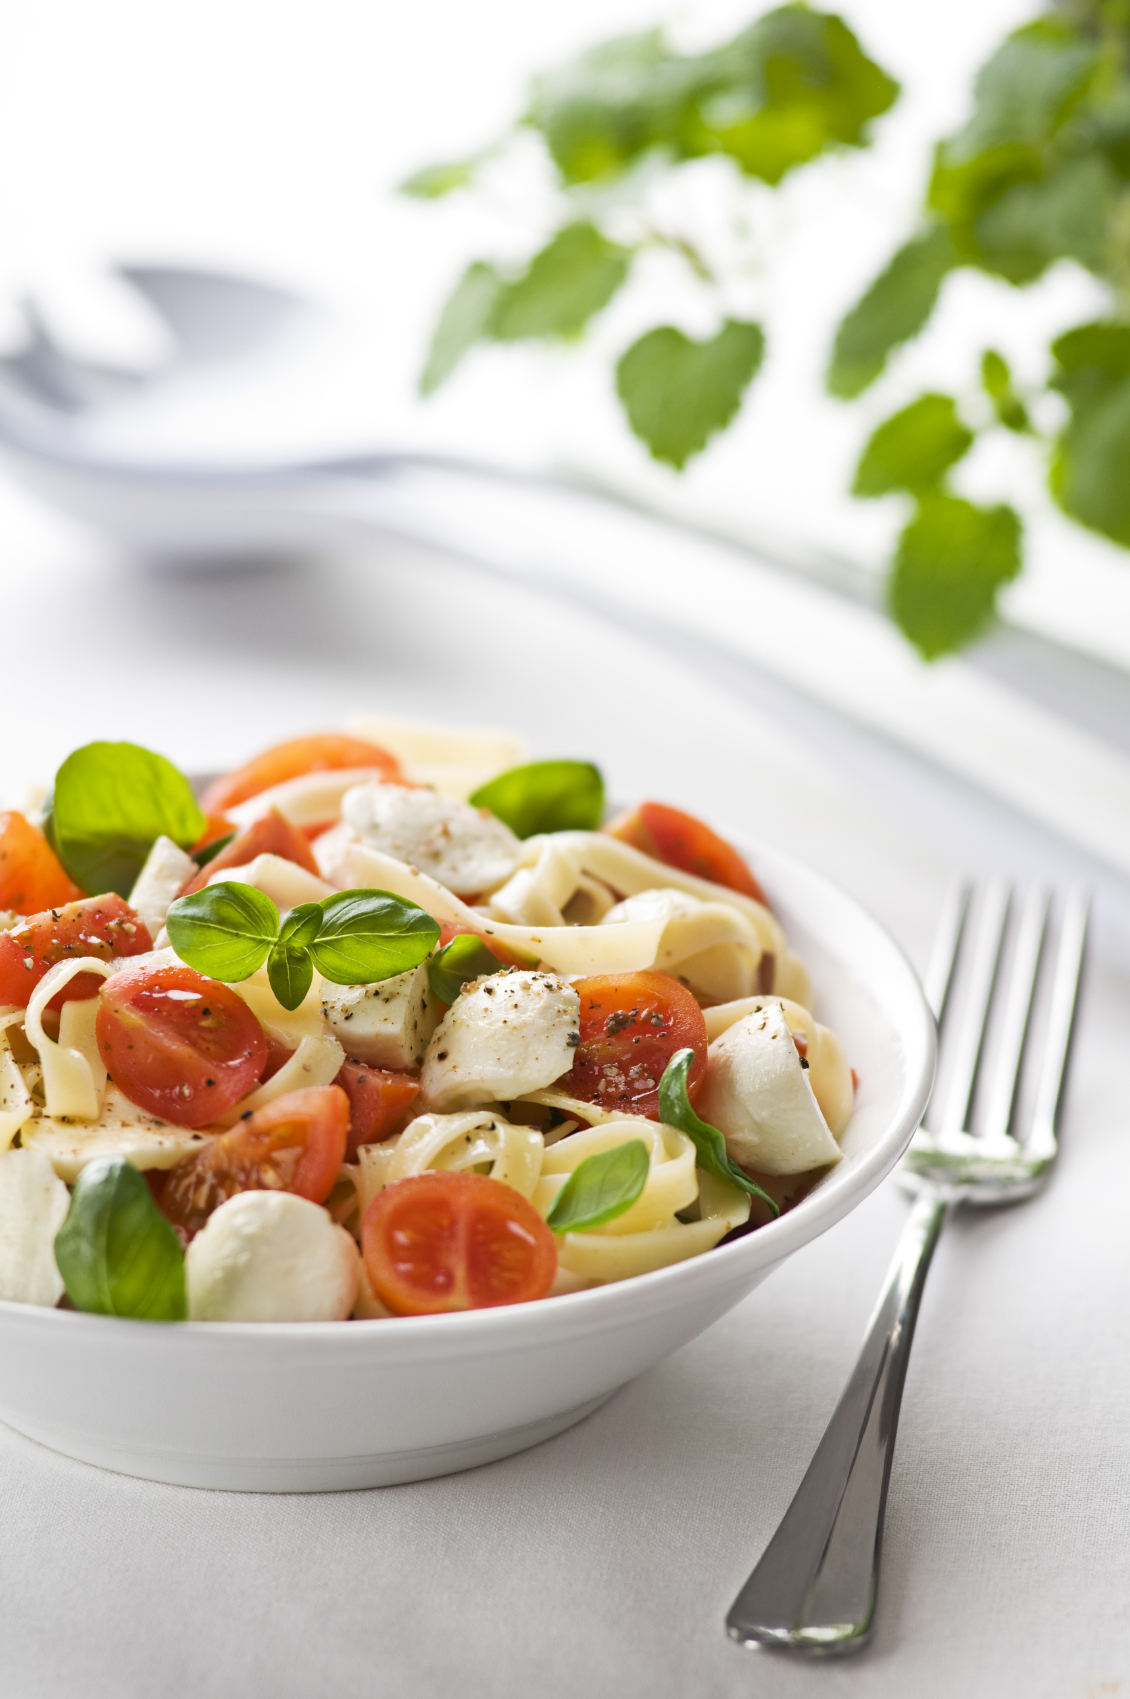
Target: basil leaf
<point>289,967</point>
<point>210,851</point>
<point>457,964</point>
<point>914,449</point>
<point>545,796</point>
<point>464,320</point>
<point>574,276</point>
<point>111,802</point>
<point>366,936</point>
<point>600,1188</point>
<point>677,392</point>
<point>225,930</point>
<point>116,1252</point>
<point>950,562</point>
<point>675,1109</point>
<point>892,311</point>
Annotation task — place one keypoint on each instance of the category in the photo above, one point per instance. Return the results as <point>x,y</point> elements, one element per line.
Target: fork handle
<point>816,1584</point>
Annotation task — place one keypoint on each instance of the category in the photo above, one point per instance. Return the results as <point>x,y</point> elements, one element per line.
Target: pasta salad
<point>386,1024</point>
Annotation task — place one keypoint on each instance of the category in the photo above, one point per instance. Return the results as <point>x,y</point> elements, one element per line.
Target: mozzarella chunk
<point>166,869</point>
<point>388,1024</point>
<point>829,1071</point>
<point>503,1036</point>
<point>758,1095</point>
<point>468,851</point>
<point>271,1256</point>
<point>283,881</point>
<point>33,1207</point>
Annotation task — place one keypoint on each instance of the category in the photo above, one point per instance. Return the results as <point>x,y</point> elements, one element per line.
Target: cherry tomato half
<point>378,1101</point>
<point>179,1045</point>
<point>631,1026</point>
<point>96,926</point>
<point>32,877</point>
<point>323,752</point>
<point>451,1241</point>
<point>295,1144</point>
<point>679,840</point>
<point>272,835</point>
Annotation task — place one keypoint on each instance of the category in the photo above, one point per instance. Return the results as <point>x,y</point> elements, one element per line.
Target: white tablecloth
<point>602,1563</point>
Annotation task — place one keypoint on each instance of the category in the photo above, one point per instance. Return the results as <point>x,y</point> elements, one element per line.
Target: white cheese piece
<point>271,1256</point>
<point>33,1207</point>
<point>829,1071</point>
<point>283,881</point>
<point>166,869</point>
<point>759,1097</point>
<point>122,1129</point>
<point>503,1036</point>
<point>466,850</point>
<point>388,1024</point>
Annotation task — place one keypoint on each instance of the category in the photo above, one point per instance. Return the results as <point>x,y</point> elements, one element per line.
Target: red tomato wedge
<point>449,1241</point>
<point>378,1101</point>
<point>272,835</point>
<point>96,926</point>
<point>321,753</point>
<point>32,877</point>
<point>679,840</point>
<point>179,1045</point>
<point>631,1026</point>
<point>295,1144</point>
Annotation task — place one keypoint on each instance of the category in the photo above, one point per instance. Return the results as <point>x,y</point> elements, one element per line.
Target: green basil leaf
<point>677,393</point>
<point>464,320</point>
<point>366,936</point>
<point>600,1188</point>
<point>210,851</point>
<point>950,562</point>
<point>545,796</point>
<point>289,968</point>
<point>117,1253</point>
<point>996,380</point>
<point>675,1109</point>
<point>890,312</point>
<point>1090,474</point>
<point>111,802</point>
<point>914,449</point>
<point>457,964</point>
<point>225,930</point>
<point>573,277</point>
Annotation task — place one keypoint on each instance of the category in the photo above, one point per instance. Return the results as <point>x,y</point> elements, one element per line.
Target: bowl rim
<point>586,1311</point>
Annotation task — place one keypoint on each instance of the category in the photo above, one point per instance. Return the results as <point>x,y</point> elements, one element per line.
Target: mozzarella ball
<point>504,1035</point>
<point>462,847</point>
<point>757,1093</point>
<point>33,1206</point>
<point>271,1256</point>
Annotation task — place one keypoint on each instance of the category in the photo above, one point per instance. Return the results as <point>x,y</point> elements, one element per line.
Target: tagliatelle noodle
<point>283,881</point>
<point>829,1071</point>
<point>122,1129</point>
<point>711,946</point>
<point>307,800</point>
<point>536,894</point>
<point>671,1183</point>
<point>316,1062</point>
<point>16,1103</point>
<point>72,1090</point>
<point>455,763</point>
<point>287,1027</point>
<point>466,1141</point>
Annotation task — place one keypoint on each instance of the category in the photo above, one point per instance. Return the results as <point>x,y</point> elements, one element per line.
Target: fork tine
<point>951,924</point>
<point>1061,1021</point>
<point>1026,962</point>
<point>967,1047</point>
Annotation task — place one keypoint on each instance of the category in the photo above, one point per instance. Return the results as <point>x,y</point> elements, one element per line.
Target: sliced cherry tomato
<point>679,840</point>
<point>272,835</point>
<point>32,877</point>
<point>321,753</point>
<point>179,1045</point>
<point>295,1144</point>
<point>378,1101</point>
<point>450,1241</point>
<point>96,926</point>
<point>631,1026</point>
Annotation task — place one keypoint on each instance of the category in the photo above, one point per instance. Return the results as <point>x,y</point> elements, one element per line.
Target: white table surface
<point>602,1562</point>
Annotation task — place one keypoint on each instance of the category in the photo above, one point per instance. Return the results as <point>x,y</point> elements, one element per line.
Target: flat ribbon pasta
<point>465,1141</point>
<point>74,1080</point>
<point>16,1103</point>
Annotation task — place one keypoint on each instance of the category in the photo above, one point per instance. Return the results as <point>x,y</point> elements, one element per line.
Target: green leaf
<point>111,802</point>
<point>1029,88</point>
<point>210,851</point>
<point>996,380</point>
<point>117,1253</point>
<point>225,930</point>
<point>914,449</point>
<point>1065,216</point>
<point>1090,473</point>
<point>572,278</point>
<point>545,796</point>
<point>678,393</point>
<point>950,562</point>
<point>464,320</point>
<point>457,964</point>
<point>366,936</point>
<point>894,309</point>
<point>600,1188</point>
<point>434,181</point>
<point>675,1109</point>
<point>289,968</point>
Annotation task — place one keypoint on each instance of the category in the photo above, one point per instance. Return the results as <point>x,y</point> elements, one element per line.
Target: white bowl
<point>298,1407</point>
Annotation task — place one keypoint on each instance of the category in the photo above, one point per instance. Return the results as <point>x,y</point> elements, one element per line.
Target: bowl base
<point>304,1474</point>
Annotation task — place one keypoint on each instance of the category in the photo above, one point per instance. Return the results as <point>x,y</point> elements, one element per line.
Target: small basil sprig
<point>675,1109</point>
<point>117,1253</point>
<point>228,930</point>
<point>600,1188</point>
<point>458,963</point>
<point>545,796</point>
<point>110,804</point>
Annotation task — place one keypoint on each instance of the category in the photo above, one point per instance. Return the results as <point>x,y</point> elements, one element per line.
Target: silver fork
<point>815,1587</point>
